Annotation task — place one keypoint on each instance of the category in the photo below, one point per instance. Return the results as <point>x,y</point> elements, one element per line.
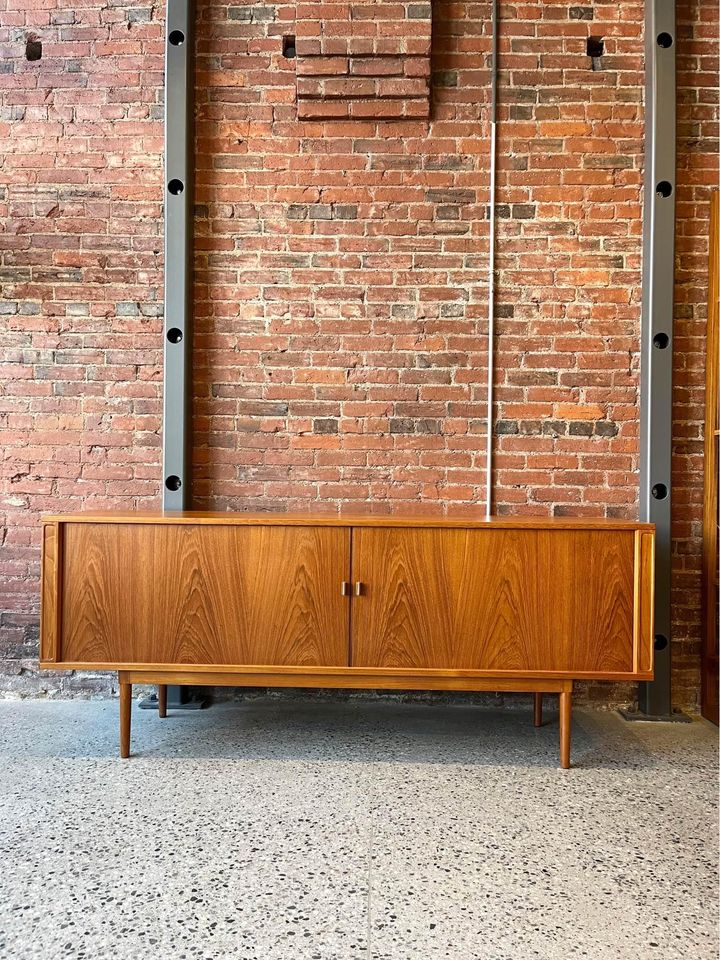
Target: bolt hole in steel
<point>664,40</point>
<point>659,491</point>
<point>175,335</point>
<point>176,187</point>
<point>176,38</point>
<point>173,483</point>
<point>289,49</point>
<point>33,49</point>
<point>660,641</point>
<point>661,341</point>
<point>664,189</point>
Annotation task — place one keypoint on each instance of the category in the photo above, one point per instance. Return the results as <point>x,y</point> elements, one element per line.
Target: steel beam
<point>179,201</point>
<point>179,219</point>
<point>656,327</point>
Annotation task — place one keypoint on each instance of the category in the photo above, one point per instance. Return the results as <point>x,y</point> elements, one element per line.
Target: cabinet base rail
<point>127,678</point>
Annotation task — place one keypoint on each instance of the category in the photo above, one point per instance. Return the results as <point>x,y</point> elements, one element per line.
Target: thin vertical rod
<point>491,262</point>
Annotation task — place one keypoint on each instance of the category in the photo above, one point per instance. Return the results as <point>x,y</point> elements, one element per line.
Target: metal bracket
<point>656,329</point>
<point>632,716</point>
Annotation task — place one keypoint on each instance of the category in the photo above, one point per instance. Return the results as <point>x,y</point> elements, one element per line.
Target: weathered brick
<point>325,426</point>
<point>372,59</point>
<point>341,294</point>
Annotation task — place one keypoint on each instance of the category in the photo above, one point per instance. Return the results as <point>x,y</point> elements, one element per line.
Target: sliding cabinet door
<point>205,593</point>
<point>564,601</point>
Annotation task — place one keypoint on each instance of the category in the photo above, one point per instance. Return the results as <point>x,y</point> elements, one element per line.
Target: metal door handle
<point>359,587</point>
<point>345,589</point>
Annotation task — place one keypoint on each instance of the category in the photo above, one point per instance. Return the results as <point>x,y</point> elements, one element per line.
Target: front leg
<point>565,724</point>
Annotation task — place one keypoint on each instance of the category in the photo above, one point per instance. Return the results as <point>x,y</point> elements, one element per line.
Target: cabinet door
<point>496,600</point>
<point>206,594</point>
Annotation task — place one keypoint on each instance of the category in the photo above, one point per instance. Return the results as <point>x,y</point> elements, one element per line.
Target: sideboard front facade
<point>335,601</point>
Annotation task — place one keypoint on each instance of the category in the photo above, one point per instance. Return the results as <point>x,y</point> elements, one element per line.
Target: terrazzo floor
<point>297,830</point>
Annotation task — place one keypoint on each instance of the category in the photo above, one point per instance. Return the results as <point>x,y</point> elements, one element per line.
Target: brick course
<point>363,60</point>
<point>341,275</point>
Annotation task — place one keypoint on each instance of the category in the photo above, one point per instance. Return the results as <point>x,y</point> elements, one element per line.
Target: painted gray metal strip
<point>656,327</point>
<point>179,203</point>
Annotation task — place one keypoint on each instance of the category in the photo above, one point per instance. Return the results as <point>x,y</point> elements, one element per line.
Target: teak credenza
<point>280,600</point>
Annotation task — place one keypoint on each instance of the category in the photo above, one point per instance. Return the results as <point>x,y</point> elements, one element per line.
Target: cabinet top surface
<point>457,520</point>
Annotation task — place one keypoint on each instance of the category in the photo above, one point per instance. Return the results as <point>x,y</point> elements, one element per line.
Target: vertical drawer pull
<point>345,589</point>
<point>359,588</point>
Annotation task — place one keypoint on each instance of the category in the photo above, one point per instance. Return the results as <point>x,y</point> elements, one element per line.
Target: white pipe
<point>491,262</point>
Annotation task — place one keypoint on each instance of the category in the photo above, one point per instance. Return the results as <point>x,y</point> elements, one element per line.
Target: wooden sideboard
<point>391,602</point>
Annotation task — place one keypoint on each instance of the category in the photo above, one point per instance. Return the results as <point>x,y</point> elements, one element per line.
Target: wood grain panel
<point>50,624</point>
<point>544,600</point>
<point>458,519</point>
<point>646,627</point>
<point>378,677</point>
<point>350,679</point>
<point>179,594</point>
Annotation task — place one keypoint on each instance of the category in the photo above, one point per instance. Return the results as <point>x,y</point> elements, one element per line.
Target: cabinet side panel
<point>524,600</point>
<point>646,630</point>
<point>145,593</point>
<point>51,588</point>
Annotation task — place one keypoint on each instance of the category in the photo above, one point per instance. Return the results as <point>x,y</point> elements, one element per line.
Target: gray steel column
<point>179,218</point>
<point>656,335</point>
<point>179,203</point>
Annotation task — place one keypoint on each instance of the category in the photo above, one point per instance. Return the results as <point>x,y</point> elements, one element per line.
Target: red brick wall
<point>341,278</point>
<point>81,273</point>
<point>698,171</point>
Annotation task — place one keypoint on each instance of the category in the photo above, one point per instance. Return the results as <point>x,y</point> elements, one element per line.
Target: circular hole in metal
<point>176,187</point>
<point>659,491</point>
<point>664,40</point>
<point>177,38</point>
<point>661,641</point>
<point>172,482</point>
<point>175,335</point>
<point>661,341</point>
<point>664,189</point>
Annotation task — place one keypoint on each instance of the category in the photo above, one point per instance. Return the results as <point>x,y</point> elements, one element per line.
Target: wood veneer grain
<point>495,600</point>
<point>377,677</point>
<point>144,593</point>
<point>646,603</point>
<point>458,519</point>
<point>353,679</point>
<point>51,596</point>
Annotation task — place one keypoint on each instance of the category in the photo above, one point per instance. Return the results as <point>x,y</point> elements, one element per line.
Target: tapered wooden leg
<point>537,715</point>
<point>565,723</point>
<point>162,699</point>
<point>125,703</point>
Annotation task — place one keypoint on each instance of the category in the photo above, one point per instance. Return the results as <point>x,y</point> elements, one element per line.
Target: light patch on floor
<point>293,830</point>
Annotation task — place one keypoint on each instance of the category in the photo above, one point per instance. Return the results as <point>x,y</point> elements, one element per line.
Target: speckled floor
<point>286,830</point>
